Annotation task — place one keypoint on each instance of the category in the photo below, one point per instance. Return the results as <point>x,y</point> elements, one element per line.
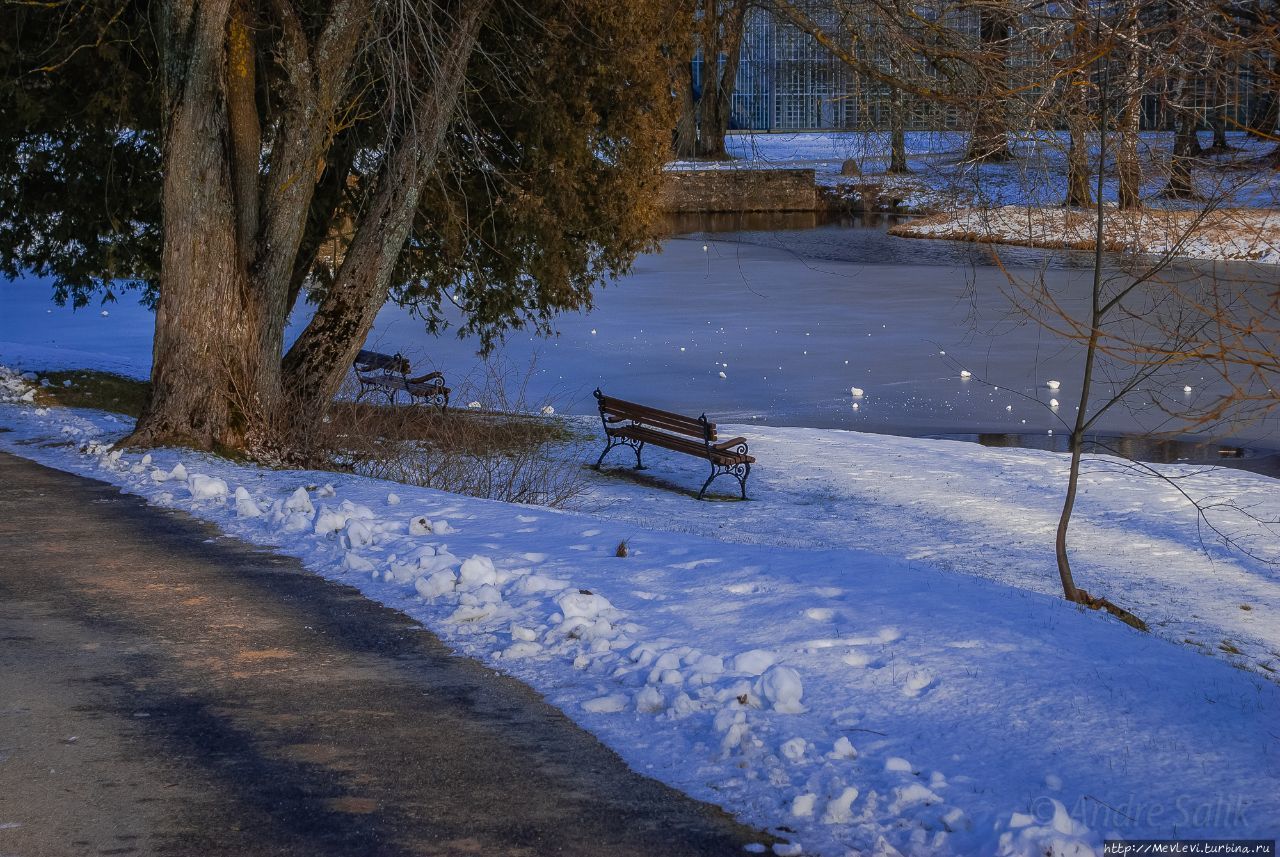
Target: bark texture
<point>1186,147</point>
<point>318,361</point>
<point>232,229</point>
<point>204,316</point>
<point>990,140</point>
<point>1129,116</point>
<point>1079,125</point>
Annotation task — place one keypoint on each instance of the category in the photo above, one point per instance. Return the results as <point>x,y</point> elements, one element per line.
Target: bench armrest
<point>726,444</point>
<point>427,377</point>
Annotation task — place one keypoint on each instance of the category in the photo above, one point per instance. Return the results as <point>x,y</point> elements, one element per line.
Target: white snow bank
<point>866,703</point>
<point>1238,234</point>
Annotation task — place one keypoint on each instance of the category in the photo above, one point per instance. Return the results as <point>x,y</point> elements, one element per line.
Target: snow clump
<point>782,687</point>
<point>206,487</point>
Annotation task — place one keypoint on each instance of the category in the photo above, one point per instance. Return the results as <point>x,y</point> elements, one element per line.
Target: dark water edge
<point>1265,462</point>
<point>716,222</point>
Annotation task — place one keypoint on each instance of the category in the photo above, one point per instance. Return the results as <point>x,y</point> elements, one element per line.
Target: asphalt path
<point>167,690</point>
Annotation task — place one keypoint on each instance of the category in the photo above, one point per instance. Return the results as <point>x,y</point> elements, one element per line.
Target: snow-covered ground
<point>943,183</point>
<point>1036,175</point>
<point>1236,233</point>
<point>867,659</point>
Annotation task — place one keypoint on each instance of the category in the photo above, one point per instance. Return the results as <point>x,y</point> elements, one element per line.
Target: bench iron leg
<point>737,471</point>
<point>707,484</point>
<point>610,445</point>
<point>635,447</point>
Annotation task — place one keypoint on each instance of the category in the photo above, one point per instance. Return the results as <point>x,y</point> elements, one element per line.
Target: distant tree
<point>717,28</point>
<point>1073,104</point>
<point>1128,54</point>
<point>502,156</point>
<point>926,52</point>
<point>990,138</point>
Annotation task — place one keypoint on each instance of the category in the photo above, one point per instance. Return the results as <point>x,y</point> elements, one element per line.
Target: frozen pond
<point>795,318</point>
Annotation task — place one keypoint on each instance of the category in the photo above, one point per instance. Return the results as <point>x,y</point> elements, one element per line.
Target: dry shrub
<point>509,457</point>
<point>505,450</point>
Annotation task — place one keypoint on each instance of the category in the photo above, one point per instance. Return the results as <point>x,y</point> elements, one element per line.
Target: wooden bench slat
<point>676,444</point>
<point>620,406</point>
<point>373,361</point>
<point>427,389</point>
<point>683,425</point>
<point>694,431</point>
<point>631,409</point>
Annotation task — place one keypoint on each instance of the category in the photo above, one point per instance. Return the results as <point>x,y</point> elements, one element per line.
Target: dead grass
<point>1246,234</point>
<point>507,452</point>
<point>475,432</point>
<point>87,388</point>
<point>513,457</point>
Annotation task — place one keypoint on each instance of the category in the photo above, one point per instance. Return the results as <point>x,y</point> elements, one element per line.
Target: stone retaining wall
<point>740,189</point>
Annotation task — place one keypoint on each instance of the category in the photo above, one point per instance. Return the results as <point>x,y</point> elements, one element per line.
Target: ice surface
<point>878,327</point>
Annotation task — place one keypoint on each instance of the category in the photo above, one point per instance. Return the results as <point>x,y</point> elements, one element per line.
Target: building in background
<point>788,82</point>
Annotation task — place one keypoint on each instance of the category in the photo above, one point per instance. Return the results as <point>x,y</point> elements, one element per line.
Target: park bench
<point>389,374</point>
<point>633,425</point>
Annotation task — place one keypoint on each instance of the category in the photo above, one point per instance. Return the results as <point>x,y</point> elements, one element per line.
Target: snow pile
<point>848,701</point>
<point>206,487</point>
<point>15,387</point>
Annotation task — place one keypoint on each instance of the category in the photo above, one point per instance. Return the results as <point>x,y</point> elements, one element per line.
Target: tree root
<point>1095,603</point>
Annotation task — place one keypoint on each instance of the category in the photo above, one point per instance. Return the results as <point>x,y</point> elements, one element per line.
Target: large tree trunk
<point>206,317</point>
<point>1181,161</point>
<point>1129,162</point>
<point>231,234</point>
<point>319,78</point>
<point>989,140</point>
<point>320,359</point>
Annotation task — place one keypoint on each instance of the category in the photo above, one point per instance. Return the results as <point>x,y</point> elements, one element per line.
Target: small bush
<point>506,450</point>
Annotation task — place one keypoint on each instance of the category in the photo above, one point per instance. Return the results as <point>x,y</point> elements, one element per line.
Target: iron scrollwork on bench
<point>634,425</point>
